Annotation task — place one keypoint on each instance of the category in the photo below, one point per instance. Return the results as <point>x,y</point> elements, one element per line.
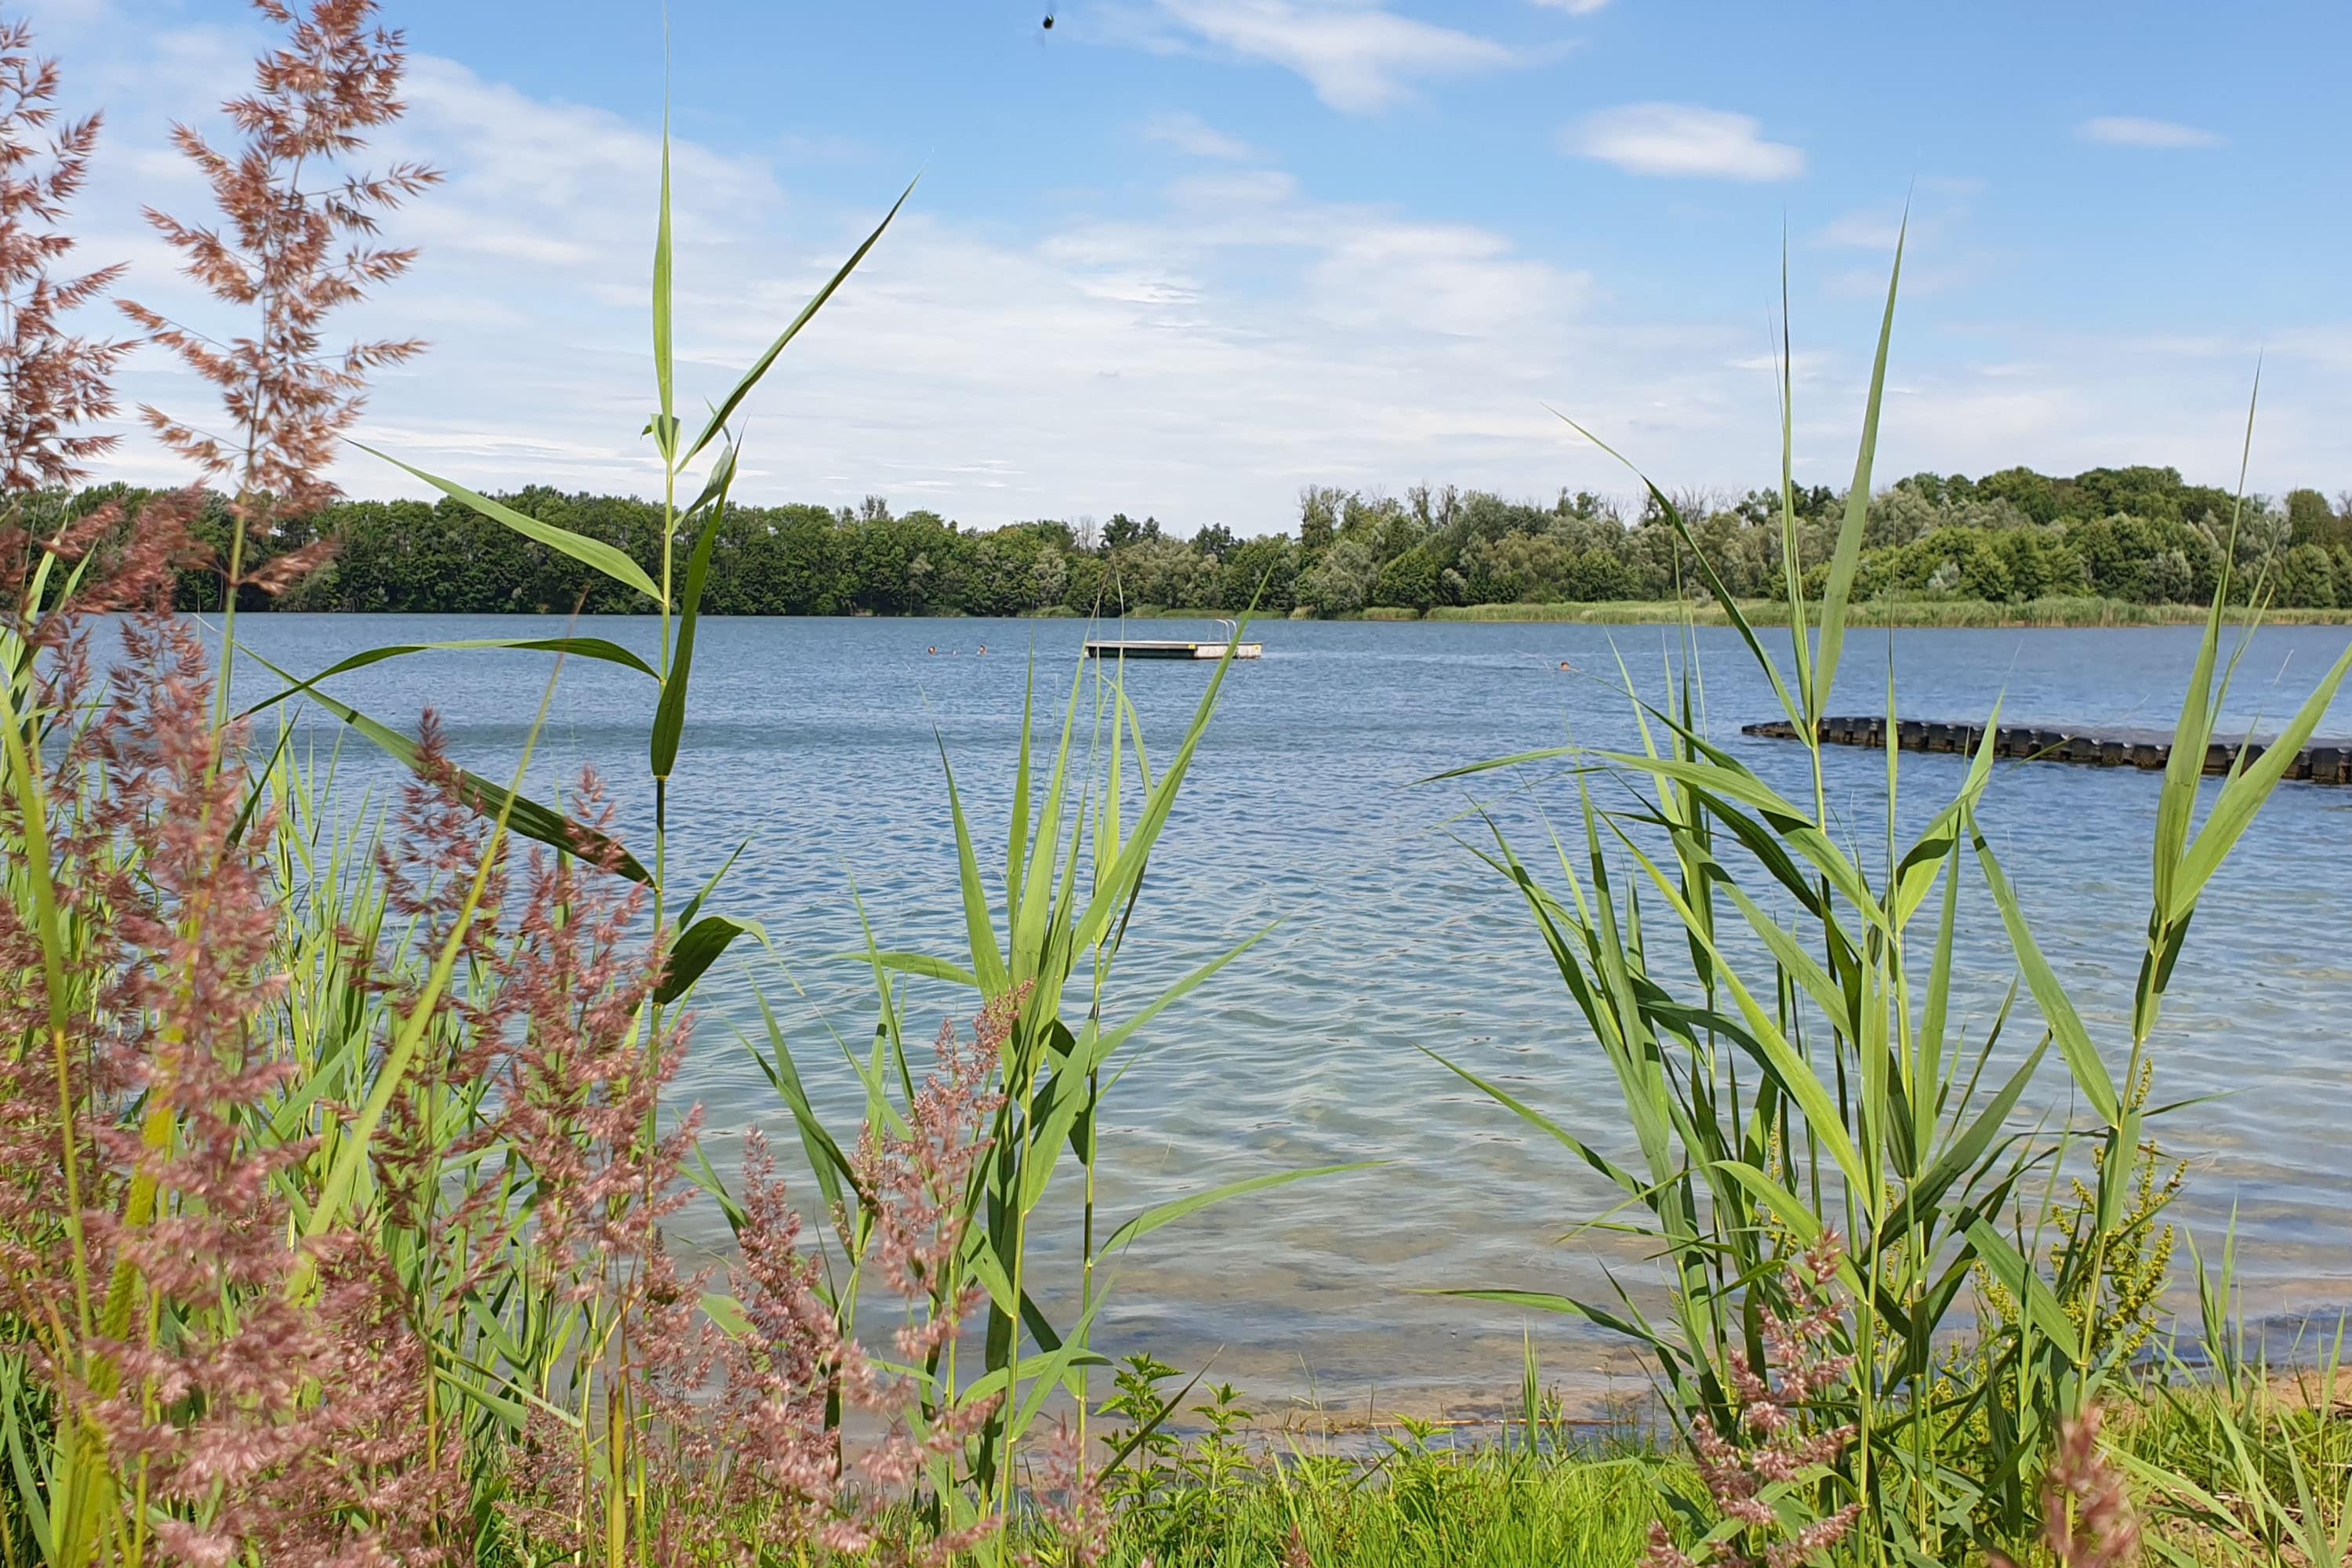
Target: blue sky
<point>1183,256</point>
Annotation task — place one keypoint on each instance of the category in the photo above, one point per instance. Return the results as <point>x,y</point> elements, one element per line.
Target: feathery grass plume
<point>778,1468</point>
<point>53,383</point>
<point>1071,1505</point>
<point>2087,1519</point>
<point>568,1068</point>
<point>197,1384</point>
<point>918,1179</point>
<point>297,242</point>
<point>917,1183</point>
<point>198,1409</point>
<point>1775,1441</point>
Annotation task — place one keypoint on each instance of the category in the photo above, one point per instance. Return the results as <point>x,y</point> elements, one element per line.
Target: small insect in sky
<point>1049,21</point>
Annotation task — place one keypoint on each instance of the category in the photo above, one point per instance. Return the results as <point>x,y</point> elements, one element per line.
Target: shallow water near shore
<point>817,743</point>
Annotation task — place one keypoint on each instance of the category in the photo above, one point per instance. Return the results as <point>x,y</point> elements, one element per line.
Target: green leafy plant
<point>1042,960</point>
<point>698,462</point>
<point>2239,1460</point>
<point>1828,1088</point>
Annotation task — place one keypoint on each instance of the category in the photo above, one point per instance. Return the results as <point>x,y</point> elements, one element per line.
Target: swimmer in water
<point>983,650</point>
<point>935,650</point>
<point>1564,665</point>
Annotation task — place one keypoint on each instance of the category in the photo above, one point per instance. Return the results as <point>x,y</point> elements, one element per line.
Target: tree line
<point>2141,534</point>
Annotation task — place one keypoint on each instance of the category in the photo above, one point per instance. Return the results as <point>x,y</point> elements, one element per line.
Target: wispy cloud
<point>1190,135</point>
<point>1087,364</point>
<point>1861,231</point>
<point>2124,131</point>
<point>1574,7</point>
<point>1198,350</point>
<point>1681,140</point>
<point>1360,58</point>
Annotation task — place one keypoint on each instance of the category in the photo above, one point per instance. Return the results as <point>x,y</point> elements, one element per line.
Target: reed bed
<point>338,1158</point>
<point>1876,613</point>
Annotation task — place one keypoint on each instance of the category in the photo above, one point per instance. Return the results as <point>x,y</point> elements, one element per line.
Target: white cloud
<point>1861,231</point>
<point>1204,360</point>
<point>2124,130</point>
<point>1197,352</point>
<point>1358,58</point>
<point>1681,140</point>
<point>1189,134</point>
<point>1574,7</point>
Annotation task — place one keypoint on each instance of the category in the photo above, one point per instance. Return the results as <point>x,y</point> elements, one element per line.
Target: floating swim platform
<point>1163,647</point>
<point>1132,648</point>
<point>2098,746</point>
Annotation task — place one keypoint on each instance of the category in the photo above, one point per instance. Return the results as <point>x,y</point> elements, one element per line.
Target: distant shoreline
<point>1918,613</point>
<point>2079,613</point>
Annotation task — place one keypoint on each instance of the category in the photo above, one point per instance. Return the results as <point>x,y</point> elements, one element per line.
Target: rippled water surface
<point>817,743</point>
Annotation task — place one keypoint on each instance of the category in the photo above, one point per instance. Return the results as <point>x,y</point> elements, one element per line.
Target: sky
<point>1181,258</point>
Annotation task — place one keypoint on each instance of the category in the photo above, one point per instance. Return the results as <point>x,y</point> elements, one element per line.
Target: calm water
<point>814,741</point>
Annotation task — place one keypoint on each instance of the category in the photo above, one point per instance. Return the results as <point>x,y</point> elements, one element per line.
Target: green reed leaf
<point>521,813</point>
<point>1956,1159</point>
<point>987,959</point>
<point>605,558</point>
<point>1847,555</point>
<point>1715,582</point>
<point>1564,1306</point>
<point>1538,1120</point>
<point>669,712</point>
<point>1125,875</point>
<point>1791,1072</point>
<point>2184,770</point>
<point>696,950</point>
<point>340,1188</point>
<point>1169,1213</point>
<point>1915,873</point>
<point>702,895</point>
<point>2022,1281</point>
<point>2242,797</point>
<point>1110,1041</point>
<point>917,963</point>
<point>832,1168</point>
<point>2057,1008</point>
<point>603,649</point>
<point>751,377</point>
<point>1034,907</point>
<point>666,434</point>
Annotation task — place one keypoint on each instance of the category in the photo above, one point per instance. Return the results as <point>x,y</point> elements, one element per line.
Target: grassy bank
<point>2250,1470</point>
<point>2055,611</point>
<point>2195,1471</point>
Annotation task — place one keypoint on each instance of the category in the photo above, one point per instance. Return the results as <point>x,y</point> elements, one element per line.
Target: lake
<point>815,744</point>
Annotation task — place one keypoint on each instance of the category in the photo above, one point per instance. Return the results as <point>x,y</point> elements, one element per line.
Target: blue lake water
<point>816,742</point>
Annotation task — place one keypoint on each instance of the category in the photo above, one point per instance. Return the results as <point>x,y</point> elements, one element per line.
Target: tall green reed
<point>1791,1061</point>
<point>697,460</point>
<point>1041,945</point>
<point>691,938</point>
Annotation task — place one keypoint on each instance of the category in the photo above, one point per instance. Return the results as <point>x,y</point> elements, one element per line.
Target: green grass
<point>1410,1508</point>
<point>2053,611</point>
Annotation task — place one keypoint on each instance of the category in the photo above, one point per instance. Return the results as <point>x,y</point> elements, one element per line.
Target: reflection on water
<point>814,741</point>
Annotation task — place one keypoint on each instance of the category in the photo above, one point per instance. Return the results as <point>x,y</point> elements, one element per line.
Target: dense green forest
<point>2140,534</point>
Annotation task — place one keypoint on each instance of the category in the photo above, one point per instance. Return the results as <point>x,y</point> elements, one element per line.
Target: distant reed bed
<point>1875,613</point>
